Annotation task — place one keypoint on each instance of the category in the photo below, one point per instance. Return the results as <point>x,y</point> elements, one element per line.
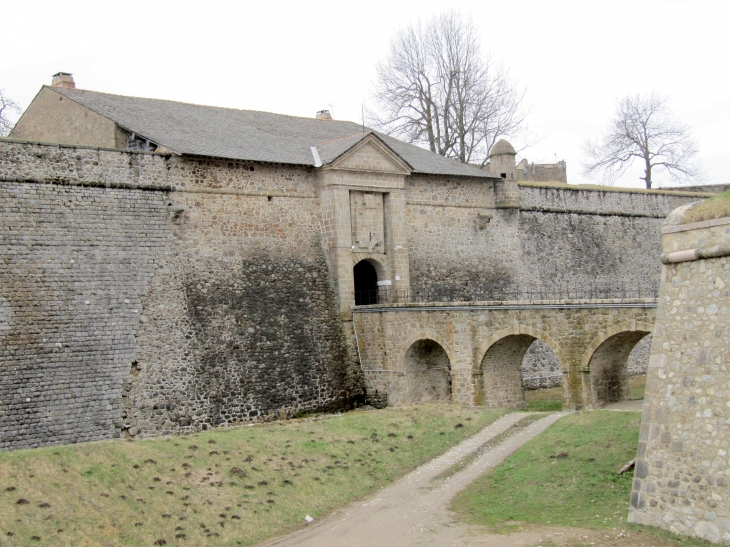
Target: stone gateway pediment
<point>372,155</point>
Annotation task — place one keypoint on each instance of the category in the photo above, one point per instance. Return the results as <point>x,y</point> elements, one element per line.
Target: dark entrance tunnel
<point>366,283</point>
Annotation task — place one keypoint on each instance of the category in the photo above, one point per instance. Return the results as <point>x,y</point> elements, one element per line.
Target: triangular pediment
<point>370,154</point>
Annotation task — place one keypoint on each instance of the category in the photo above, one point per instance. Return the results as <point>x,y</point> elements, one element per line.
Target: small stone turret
<point>502,160</point>
<point>502,163</point>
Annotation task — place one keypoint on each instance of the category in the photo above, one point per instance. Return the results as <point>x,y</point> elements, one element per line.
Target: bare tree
<point>6,106</point>
<point>642,128</point>
<point>437,89</point>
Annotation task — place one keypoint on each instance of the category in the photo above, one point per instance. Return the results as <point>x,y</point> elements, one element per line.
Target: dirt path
<point>414,510</point>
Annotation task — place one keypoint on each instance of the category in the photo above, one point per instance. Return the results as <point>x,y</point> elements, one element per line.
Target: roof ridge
<point>70,92</point>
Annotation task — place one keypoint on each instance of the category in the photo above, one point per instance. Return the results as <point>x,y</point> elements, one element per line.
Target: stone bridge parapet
<point>471,353</point>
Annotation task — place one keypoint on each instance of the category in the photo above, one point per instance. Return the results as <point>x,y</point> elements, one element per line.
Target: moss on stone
<point>715,207</point>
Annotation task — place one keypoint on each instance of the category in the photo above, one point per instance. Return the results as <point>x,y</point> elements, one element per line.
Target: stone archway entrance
<point>428,372</point>
<point>609,374</point>
<point>501,372</point>
<point>366,283</point>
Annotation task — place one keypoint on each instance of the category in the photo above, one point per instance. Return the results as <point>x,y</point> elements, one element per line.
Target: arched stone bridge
<point>471,354</point>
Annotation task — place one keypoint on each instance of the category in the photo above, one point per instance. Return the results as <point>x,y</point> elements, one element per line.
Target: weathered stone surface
<point>76,268</point>
<point>485,345</point>
<point>684,450</point>
<point>149,312</point>
<point>148,293</point>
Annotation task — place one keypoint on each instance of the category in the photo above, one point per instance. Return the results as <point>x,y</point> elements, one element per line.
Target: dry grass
<point>223,487</point>
<point>717,206</point>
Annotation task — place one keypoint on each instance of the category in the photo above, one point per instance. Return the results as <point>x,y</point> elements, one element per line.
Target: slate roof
<point>191,129</point>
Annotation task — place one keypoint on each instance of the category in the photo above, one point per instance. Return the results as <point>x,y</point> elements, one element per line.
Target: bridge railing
<point>485,293</point>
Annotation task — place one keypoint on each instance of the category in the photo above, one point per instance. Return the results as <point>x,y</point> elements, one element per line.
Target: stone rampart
<point>77,263</point>
<point>558,234</point>
<point>682,476</point>
<point>237,272</point>
<point>143,294</point>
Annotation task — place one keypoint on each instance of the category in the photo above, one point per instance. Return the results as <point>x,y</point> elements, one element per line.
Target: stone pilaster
<point>335,201</point>
<point>396,239</point>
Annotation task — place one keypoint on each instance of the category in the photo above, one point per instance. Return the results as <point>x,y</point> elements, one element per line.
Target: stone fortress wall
<point>145,294</point>
<point>682,475</point>
<point>561,235</point>
<point>128,308</point>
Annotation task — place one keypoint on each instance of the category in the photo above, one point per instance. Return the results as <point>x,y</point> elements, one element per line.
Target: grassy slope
<point>565,476</point>
<point>716,207</point>
<point>204,486</point>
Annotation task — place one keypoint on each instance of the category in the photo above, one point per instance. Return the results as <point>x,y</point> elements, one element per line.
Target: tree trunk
<point>647,173</point>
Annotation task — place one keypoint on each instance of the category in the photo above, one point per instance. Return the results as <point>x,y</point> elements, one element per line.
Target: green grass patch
<point>544,400</point>
<point>551,399</point>
<point>637,386</point>
<point>222,487</point>
<point>564,476</point>
<point>717,206</point>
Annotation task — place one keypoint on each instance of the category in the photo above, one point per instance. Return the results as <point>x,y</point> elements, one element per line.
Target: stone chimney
<point>63,79</point>
<point>324,115</point>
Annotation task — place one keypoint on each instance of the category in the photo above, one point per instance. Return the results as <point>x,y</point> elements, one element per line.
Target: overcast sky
<point>573,58</point>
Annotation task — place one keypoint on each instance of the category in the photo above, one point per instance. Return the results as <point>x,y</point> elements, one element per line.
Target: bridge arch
<point>604,363</point>
<point>427,366</point>
<point>497,374</point>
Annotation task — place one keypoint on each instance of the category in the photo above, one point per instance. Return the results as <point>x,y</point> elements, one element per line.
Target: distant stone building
<point>502,163</point>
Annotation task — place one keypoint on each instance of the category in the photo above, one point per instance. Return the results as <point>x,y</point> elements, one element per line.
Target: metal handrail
<point>501,292</point>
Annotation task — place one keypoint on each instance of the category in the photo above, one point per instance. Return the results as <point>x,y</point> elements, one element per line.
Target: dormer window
<point>139,144</point>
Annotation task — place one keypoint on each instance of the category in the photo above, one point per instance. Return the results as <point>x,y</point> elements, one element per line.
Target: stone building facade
<point>159,280</point>
<point>682,476</point>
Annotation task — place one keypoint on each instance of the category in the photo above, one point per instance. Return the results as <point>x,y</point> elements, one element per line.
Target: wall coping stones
<point>689,255</point>
<point>565,211</point>
<point>81,147</point>
<point>696,225</point>
<point>155,188</point>
<point>234,192</point>
<point>690,242</point>
<point>580,188</point>
<point>422,203</point>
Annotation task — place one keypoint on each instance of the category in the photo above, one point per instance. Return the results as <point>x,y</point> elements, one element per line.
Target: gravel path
<point>414,510</point>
